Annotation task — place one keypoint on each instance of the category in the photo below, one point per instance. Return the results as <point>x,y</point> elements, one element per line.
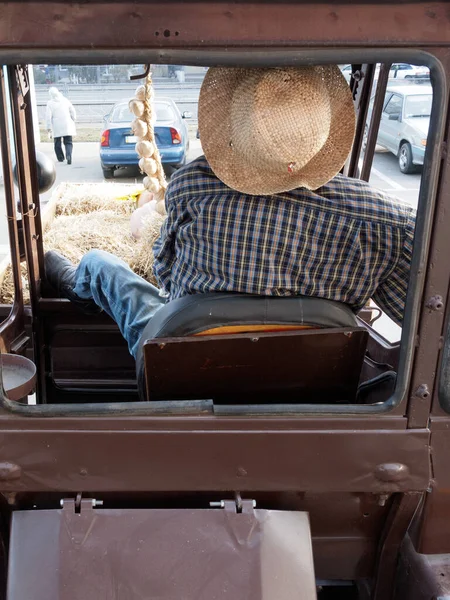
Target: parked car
<point>397,71</point>
<point>404,123</point>
<point>405,71</point>
<point>117,144</point>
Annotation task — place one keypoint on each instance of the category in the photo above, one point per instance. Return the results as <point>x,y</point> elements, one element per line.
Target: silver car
<point>404,124</point>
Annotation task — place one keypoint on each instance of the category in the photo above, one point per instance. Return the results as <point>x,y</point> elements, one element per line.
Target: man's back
<point>344,241</point>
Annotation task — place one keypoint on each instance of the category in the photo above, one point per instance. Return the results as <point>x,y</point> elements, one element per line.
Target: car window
<point>386,99</point>
<point>394,106</point>
<point>418,106</point>
<point>122,114</point>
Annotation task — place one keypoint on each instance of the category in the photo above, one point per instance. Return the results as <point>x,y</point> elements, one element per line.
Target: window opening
<point>100,96</point>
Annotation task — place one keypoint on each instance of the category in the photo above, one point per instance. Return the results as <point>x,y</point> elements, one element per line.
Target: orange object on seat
<point>249,328</point>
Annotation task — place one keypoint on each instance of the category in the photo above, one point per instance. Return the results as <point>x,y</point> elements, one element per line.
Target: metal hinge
<point>79,503</point>
<point>238,505</point>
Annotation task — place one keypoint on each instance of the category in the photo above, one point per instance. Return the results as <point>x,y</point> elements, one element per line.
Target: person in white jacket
<point>60,119</point>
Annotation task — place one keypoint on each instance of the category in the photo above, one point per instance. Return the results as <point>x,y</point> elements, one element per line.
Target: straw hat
<point>266,131</point>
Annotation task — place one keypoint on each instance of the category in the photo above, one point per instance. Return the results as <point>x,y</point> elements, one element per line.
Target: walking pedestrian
<point>60,120</point>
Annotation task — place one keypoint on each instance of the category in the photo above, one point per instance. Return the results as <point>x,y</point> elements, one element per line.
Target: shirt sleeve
<point>164,247</point>
<point>391,294</point>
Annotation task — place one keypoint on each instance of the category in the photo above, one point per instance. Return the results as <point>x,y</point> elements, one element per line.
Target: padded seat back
<point>193,314</point>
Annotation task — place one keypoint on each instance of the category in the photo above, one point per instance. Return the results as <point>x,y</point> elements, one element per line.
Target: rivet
<point>422,391</point>
<point>435,303</point>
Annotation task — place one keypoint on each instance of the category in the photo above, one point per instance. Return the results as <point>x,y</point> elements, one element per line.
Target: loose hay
<point>89,216</point>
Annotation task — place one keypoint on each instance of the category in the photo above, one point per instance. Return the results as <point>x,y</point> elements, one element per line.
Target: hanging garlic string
<point>150,159</point>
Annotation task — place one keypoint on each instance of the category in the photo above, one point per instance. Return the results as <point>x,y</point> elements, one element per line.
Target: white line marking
<point>385,178</point>
<point>406,190</point>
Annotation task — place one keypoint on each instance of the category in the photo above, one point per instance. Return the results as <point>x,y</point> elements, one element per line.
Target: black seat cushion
<point>195,313</point>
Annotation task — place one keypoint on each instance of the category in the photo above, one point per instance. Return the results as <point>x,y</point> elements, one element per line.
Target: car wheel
<point>108,173</point>
<point>408,76</point>
<point>405,159</point>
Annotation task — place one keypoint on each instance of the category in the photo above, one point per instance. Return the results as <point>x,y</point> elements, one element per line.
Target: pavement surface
<point>86,168</point>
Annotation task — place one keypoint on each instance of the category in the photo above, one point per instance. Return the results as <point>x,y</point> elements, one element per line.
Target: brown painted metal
<point>372,131</point>
<point>361,478</point>
<point>362,105</point>
<point>29,201</point>
<point>211,453</point>
<point>13,327</point>
<point>211,24</point>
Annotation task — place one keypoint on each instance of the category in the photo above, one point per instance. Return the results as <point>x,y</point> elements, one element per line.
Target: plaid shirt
<point>345,241</point>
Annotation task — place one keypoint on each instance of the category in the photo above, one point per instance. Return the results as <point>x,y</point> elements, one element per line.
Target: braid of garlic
<point>150,159</point>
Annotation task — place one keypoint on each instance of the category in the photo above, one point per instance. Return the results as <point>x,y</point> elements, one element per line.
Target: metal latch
<point>238,505</point>
<point>79,503</point>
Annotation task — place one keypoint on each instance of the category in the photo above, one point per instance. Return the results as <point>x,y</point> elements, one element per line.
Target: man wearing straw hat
<point>264,211</point>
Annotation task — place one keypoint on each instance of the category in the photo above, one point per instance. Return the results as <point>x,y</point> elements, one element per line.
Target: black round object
<point>45,170</point>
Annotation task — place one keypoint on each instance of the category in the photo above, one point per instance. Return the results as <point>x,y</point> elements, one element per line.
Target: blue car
<point>117,145</point>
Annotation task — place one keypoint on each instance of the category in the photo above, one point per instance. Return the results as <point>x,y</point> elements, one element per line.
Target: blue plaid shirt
<point>345,241</point>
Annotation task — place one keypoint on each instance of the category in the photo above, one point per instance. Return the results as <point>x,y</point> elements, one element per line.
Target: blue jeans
<point>127,298</point>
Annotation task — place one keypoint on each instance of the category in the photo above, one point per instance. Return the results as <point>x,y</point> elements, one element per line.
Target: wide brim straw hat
<point>271,130</point>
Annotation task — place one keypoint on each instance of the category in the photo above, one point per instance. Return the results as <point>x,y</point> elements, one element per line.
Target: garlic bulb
<point>148,166</point>
<point>140,93</point>
<point>136,107</point>
<point>152,184</point>
<point>139,128</point>
<point>145,149</point>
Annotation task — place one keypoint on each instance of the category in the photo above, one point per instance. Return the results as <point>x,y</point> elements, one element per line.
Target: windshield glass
<point>122,114</point>
<point>418,106</point>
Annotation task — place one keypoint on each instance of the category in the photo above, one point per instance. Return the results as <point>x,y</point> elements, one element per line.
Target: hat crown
<point>267,131</point>
<point>280,118</point>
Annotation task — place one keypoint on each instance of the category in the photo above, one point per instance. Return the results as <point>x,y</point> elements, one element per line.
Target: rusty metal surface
<point>396,526</point>
<point>422,577</point>
<point>148,459</point>
<point>165,554</point>
<point>435,526</point>
<point>200,24</point>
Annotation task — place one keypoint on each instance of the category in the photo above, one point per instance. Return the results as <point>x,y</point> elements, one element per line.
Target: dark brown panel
<point>76,25</point>
<point>265,460</point>
<point>301,367</point>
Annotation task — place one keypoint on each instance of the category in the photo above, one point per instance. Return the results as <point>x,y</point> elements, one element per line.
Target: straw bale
<point>89,216</point>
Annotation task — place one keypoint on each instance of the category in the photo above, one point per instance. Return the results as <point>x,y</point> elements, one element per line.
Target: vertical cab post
<point>19,90</point>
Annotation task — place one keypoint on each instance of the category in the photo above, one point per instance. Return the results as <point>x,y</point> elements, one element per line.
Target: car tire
<point>108,173</point>
<point>405,159</point>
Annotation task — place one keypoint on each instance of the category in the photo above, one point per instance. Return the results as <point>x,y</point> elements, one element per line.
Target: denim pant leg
<point>127,298</point>
<point>68,145</point>
<point>58,149</point>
